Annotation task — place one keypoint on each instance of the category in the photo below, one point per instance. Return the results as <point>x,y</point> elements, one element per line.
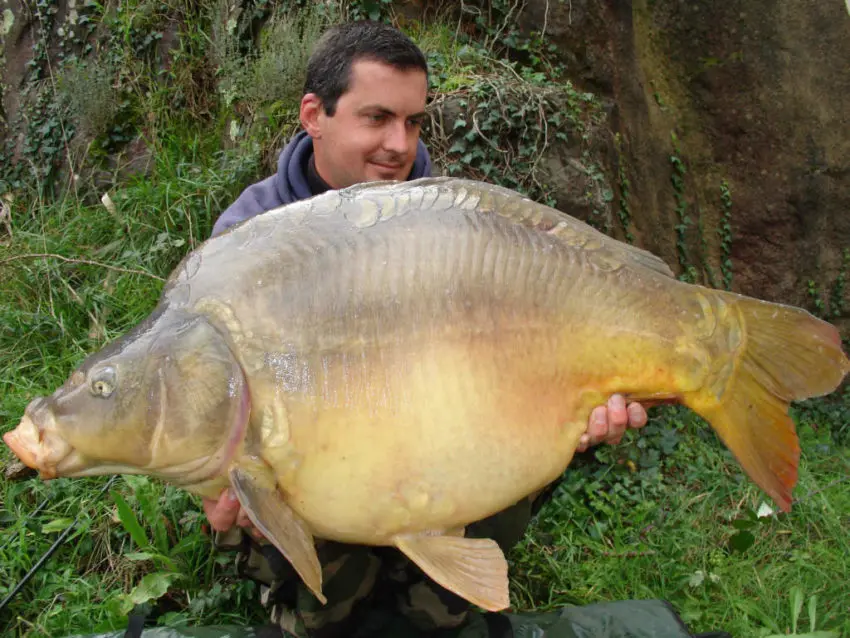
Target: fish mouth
<point>39,448</point>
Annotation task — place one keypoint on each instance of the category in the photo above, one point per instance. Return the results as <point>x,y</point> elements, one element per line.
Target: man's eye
<point>377,117</point>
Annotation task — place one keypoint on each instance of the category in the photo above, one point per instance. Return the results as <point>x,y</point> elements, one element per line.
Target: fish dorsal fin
<point>569,229</point>
<point>472,568</point>
<point>257,491</point>
<point>483,197</point>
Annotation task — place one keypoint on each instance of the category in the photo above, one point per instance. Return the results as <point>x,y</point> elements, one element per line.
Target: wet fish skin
<point>400,360</point>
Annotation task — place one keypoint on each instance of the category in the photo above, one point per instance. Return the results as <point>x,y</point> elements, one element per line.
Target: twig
<point>492,144</point>
<point>129,271</point>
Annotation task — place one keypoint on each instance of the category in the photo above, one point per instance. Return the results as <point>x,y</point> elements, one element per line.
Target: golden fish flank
<point>418,356</point>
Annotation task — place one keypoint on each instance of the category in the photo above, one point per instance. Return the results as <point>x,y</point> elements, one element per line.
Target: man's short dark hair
<point>329,67</point>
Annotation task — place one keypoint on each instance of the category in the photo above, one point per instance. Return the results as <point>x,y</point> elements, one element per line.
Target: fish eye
<point>103,383</point>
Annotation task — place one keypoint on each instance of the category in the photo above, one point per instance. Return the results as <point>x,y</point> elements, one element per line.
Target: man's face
<point>374,132</point>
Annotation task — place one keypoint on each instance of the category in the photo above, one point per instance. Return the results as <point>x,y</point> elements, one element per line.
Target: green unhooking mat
<point>622,619</point>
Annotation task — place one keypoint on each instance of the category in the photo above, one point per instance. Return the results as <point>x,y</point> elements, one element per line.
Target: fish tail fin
<point>785,354</point>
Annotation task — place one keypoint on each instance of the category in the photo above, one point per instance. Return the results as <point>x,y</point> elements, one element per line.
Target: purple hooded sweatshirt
<point>291,184</point>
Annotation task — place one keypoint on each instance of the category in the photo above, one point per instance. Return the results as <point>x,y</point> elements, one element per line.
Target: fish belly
<point>432,440</point>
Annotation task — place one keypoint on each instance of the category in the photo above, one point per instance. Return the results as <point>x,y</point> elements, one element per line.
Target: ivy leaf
<point>458,147</point>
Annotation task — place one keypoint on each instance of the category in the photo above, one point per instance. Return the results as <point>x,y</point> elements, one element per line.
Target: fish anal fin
<point>257,491</point>
<point>472,568</point>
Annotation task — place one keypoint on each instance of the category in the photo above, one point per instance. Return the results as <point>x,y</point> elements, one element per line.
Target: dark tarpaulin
<point>622,619</point>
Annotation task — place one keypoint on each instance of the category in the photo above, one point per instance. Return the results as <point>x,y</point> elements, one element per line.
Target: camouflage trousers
<point>370,589</point>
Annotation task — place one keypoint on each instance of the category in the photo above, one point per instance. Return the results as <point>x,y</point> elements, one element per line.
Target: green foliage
<point>624,212</point>
<point>496,28</point>
<point>500,102</point>
<point>704,251</point>
<point>668,513</point>
<point>270,73</point>
<point>503,128</point>
<point>91,98</point>
<point>837,303</point>
<point>369,9</point>
<point>126,549</point>
<point>833,306</point>
<point>724,231</point>
<point>685,223</point>
<point>677,178</point>
<point>168,534</point>
<point>817,303</point>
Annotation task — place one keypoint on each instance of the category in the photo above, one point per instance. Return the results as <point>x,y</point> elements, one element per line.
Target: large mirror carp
<point>385,364</point>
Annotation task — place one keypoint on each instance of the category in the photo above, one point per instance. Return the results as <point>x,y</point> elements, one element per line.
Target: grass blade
<point>813,611</point>
<point>130,522</point>
<point>796,607</point>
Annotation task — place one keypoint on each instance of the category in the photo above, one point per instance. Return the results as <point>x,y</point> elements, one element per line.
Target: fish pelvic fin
<point>472,568</point>
<point>256,488</point>
<point>786,354</point>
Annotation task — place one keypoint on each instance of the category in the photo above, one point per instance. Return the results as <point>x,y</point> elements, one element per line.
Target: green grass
<point>666,527</point>
<point>53,312</point>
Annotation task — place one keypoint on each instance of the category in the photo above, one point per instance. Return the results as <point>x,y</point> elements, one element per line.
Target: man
<point>362,112</point>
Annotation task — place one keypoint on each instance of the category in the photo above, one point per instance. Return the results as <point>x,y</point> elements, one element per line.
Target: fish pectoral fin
<point>472,568</point>
<point>257,491</point>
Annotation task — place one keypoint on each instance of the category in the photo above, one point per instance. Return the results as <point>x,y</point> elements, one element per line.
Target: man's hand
<point>226,512</point>
<point>608,423</point>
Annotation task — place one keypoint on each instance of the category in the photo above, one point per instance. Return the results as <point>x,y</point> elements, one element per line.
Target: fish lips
<point>38,447</point>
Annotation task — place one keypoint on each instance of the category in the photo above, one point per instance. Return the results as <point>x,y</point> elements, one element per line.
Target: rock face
<point>757,93</point>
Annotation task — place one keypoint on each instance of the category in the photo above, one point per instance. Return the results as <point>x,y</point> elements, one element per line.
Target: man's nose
<point>397,139</point>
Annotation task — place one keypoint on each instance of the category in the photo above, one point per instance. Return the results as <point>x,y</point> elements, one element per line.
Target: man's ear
<point>311,113</point>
